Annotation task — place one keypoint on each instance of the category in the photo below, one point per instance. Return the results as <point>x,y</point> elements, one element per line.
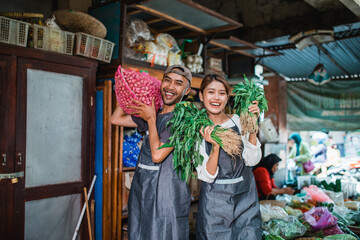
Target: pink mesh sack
<point>131,85</point>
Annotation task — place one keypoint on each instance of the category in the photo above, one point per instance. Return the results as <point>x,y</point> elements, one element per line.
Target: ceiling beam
<point>231,49</point>
<point>154,20</point>
<point>353,5</point>
<point>169,18</point>
<point>133,12</point>
<point>169,29</point>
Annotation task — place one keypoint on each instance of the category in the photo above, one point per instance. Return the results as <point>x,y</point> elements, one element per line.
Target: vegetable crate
<point>93,47</point>
<point>53,40</point>
<point>13,31</point>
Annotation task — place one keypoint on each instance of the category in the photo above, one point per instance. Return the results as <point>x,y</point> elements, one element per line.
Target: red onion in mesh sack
<point>130,85</point>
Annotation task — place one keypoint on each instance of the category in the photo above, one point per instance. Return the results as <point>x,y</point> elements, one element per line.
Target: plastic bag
<point>167,41</point>
<point>353,205</point>
<point>320,218</point>
<point>293,212</point>
<point>131,85</point>
<point>194,63</point>
<point>287,228</point>
<point>308,166</point>
<point>269,212</point>
<point>51,23</point>
<point>137,31</point>
<point>332,230</point>
<point>317,194</point>
<point>156,54</point>
<point>174,58</point>
<point>131,149</point>
<point>340,237</point>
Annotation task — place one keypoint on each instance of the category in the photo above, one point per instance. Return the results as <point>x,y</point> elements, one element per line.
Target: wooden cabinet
<point>46,140</point>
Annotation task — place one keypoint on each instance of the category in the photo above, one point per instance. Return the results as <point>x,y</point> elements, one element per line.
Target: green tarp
<point>333,106</point>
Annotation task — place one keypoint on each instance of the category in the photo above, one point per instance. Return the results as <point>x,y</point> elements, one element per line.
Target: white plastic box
<point>13,31</point>
<point>93,47</point>
<point>53,40</point>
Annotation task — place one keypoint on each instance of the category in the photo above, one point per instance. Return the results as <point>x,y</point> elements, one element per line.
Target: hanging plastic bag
<point>320,218</point>
<point>131,85</point>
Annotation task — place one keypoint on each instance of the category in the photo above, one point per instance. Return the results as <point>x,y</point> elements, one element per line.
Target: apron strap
<point>229,181</point>
<point>148,167</point>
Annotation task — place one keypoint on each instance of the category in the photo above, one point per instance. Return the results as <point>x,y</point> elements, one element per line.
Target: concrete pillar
<point>276,95</point>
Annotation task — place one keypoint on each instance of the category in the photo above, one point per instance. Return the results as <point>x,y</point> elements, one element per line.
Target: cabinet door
<point>54,147</point>
<point>7,142</point>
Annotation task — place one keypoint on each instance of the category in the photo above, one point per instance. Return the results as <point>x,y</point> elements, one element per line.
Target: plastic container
<point>53,40</point>
<point>93,47</point>
<point>13,31</point>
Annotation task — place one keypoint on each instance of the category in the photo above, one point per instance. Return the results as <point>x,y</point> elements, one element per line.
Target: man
<point>159,201</point>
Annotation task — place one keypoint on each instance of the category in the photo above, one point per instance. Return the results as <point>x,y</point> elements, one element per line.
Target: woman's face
<point>291,143</point>
<point>214,97</point>
<point>275,168</point>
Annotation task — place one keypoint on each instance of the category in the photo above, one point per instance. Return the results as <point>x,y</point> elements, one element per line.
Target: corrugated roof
<point>299,64</point>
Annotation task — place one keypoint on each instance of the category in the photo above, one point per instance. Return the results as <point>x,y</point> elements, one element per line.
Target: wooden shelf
<point>157,67</point>
<point>125,215</point>
<point>128,169</point>
<point>108,70</point>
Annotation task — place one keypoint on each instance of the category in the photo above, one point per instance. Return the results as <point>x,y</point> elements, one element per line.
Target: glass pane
<point>53,133</point>
<point>52,218</point>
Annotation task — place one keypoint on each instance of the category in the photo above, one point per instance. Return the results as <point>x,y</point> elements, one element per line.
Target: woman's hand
<point>144,111</point>
<point>206,133</point>
<point>289,190</point>
<point>255,108</point>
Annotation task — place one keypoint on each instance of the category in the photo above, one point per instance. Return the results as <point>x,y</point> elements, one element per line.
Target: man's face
<point>173,88</point>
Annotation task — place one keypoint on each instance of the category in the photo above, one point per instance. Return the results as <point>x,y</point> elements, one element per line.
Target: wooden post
<point>88,213</point>
<point>120,179</point>
<point>107,170</point>
<point>114,185</point>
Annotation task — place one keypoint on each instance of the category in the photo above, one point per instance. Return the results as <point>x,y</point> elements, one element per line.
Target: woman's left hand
<point>255,108</point>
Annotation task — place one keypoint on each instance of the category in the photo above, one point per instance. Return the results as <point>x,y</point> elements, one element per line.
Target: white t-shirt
<point>251,153</point>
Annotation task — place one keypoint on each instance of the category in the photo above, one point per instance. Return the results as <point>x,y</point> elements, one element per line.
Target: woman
<point>228,204</point>
<point>264,177</point>
<point>299,152</point>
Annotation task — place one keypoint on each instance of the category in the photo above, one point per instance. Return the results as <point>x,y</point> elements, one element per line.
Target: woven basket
<point>75,21</point>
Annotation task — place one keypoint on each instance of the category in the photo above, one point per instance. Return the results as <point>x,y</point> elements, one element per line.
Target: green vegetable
<point>330,206</point>
<point>245,93</point>
<point>346,230</point>
<point>273,237</point>
<point>186,138</point>
<point>340,237</point>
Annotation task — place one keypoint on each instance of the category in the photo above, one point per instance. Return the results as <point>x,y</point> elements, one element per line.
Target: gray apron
<point>159,202</point>
<point>229,207</point>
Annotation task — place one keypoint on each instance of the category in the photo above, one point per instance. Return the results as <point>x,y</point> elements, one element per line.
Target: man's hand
<point>144,111</point>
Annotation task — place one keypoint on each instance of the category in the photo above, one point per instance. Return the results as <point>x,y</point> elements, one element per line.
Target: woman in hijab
<point>299,152</point>
<point>264,178</point>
